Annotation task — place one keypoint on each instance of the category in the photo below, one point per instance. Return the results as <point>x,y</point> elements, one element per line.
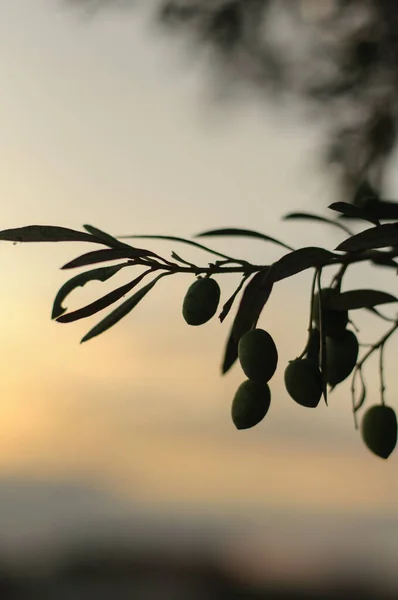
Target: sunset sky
<point>106,121</point>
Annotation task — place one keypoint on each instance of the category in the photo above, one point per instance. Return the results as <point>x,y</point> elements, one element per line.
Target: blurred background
<point>121,473</point>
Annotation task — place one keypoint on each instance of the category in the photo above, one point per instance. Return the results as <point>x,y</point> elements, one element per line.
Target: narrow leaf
<point>297,216</point>
<point>230,354</point>
<point>46,233</point>
<point>182,240</point>
<point>374,237</point>
<point>182,260</point>
<point>98,256</point>
<point>382,259</point>
<point>253,300</point>
<point>103,302</point>
<point>122,310</point>
<point>106,238</point>
<point>101,274</point>
<point>228,305</point>
<point>242,233</point>
<point>354,299</point>
<point>298,261</point>
<point>355,212</point>
<point>322,338</point>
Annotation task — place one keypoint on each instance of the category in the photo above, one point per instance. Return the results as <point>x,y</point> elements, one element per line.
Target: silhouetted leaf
<point>228,305</point>
<point>354,299</point>
<point>103,302</point>
<point>322,340</point>
<point>122,310</point>
<point>303,216</point>
<point>299,260</point>
<point>253,300</point>
<point>375,237</point>
<point>242,233</point>
<point>182,260</point>
<point>171,238</point>
<point>101,274</point>
<point>106,238</point>
<point>354,212</point>
<point>230,354</point>
<point>46,233</point>
<point>381,259</point>
<point>98,256</point>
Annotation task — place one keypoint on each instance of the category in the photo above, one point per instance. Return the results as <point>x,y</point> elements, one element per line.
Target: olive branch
<point>330,355</point>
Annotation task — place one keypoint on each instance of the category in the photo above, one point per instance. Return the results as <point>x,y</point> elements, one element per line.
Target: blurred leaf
<point>365,195</point>
<point>228,305</point>
<point>253,300</point>
<point>242,233</point>
<point>103,302</point>
<point>97,256</point>
<point>375,237</point>
<point>298,261</point>
<point>46,233</point>
<point>354,299</point>
<point>355,212</point>
<point>300,216</point>
<point>101,274</point>
<point>179,239</point>
<point>122,310</point>
<point>106,238</point>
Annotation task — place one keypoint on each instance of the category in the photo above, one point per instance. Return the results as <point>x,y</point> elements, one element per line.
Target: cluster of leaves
<point>330,355</point>
<point>348,68</point>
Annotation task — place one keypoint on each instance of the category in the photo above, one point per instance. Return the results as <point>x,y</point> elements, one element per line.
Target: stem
<point>379,314</point>
<point>211,269</point>
<point>337,279</point>
<point>354,409</point>
<point>381,373</point>
<point>377,345</point>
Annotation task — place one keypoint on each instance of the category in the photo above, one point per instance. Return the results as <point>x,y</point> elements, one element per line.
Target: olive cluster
<point>329,358</point>
<point>257,352</point>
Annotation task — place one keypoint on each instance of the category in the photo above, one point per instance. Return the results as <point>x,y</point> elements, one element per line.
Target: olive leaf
<point>182,260</point>
<point>382,259</point>
<point>354,212</point>
<point>299,260</point>
<point>242,233</point>
<point>304,216</point>
<point>103,302</point>
<point>46,233</point>
<point>322,339</point>
<point>97,256</point>
<point>228,305</point>
<point>101,274</point>
<point>381,236</point>
<point>171,238</point>
<point>122,310</point>
<point>106,238</point>
<point>253,300</point>
<point>354,299</point>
